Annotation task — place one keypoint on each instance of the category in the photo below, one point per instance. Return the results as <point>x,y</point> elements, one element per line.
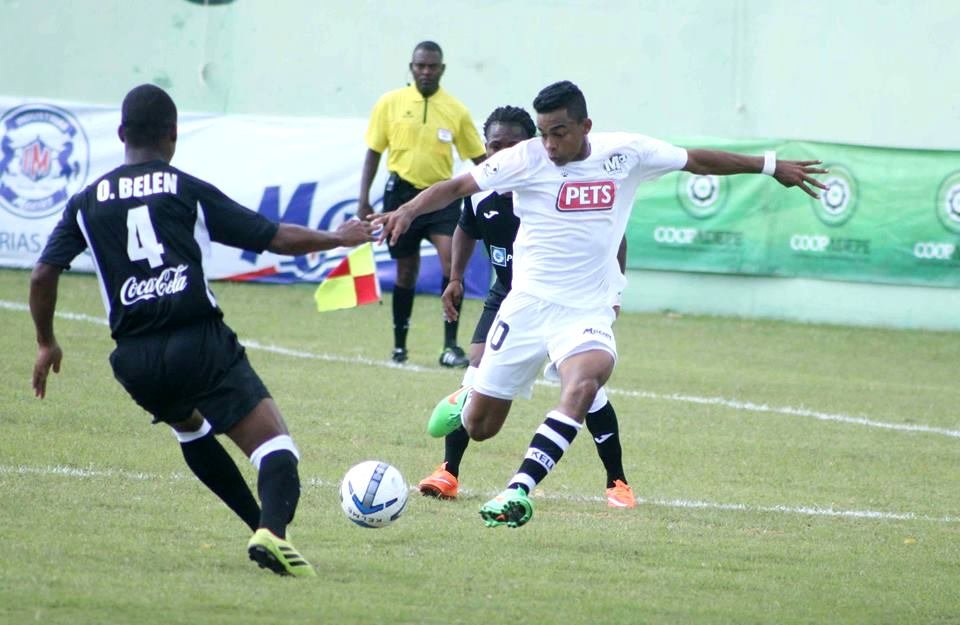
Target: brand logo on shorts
<point>586,196</point>
<point>596,332</point>
<point>44,159</point>
<point>171,280</point>
<point>838,203</point>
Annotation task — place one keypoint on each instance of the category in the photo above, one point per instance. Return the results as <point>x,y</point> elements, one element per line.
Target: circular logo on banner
<point>838,203</point>
<point>44,159</point>
<point>948,202</point>
<point>701,196</point>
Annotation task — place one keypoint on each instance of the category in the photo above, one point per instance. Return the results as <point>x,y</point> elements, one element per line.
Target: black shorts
<point>444,221</point>
<point>491,306</point>
<point>201,366</point>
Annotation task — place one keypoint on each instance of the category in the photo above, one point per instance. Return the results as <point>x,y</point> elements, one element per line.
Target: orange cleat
<point>441,483</point>
<point>621,496</point>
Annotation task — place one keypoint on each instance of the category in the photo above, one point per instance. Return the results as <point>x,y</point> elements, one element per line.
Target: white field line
<point>815,511</point>
<point>734,404</point>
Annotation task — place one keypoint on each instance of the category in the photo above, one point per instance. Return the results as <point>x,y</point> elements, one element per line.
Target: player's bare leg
<point>581,375</point>
<point>484,416</point>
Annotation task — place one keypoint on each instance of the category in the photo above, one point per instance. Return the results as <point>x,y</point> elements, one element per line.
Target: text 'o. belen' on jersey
<point>138,186</point>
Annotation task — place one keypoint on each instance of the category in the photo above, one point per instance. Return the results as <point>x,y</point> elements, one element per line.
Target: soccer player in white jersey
<point>573,192</point>
<point>488,217</point>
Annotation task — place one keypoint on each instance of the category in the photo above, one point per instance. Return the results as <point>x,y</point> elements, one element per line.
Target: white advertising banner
<point>303,170</point>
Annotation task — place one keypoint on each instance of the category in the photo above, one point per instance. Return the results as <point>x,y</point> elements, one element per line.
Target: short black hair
<point>147,115</point>
<point>562,95</point>
<point>429,46</point>
<point>511,115</point>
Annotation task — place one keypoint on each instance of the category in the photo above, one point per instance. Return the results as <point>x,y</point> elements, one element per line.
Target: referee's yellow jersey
<point>420,134</point>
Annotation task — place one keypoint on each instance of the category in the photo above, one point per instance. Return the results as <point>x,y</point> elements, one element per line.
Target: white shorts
<point>528,331</point>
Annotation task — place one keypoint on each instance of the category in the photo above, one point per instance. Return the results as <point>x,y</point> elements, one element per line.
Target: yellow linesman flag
<point>352,283</point>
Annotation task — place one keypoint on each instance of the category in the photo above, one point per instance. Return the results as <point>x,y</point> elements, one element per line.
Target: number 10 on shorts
<point>498,334</point>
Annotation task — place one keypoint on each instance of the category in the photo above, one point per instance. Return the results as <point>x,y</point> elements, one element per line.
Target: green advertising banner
<point>887,216</point>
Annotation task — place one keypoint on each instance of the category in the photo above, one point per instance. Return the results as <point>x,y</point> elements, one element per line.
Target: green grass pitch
<point>787,474</point>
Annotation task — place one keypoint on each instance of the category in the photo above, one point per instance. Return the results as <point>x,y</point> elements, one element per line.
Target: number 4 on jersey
<point>142,243</point>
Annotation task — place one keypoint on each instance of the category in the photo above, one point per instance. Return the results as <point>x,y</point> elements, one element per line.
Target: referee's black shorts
<point>491,306</point>
<point>444,221</point>
<point>200,366</point>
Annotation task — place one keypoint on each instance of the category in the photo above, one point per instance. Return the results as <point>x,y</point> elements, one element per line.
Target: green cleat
<point>278,555</point>
<point>446,416</point>
<point>512,508</point>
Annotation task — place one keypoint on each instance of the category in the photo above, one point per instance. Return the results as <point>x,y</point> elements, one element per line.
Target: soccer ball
<point>373,494</point>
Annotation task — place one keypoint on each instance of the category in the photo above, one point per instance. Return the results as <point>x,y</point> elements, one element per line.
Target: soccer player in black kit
<point>489,216</point>
<point>148,226</point>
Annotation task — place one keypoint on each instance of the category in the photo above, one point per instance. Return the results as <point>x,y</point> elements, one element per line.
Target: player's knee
<point>406,280</point>
<point>282,443</point>
<point>187,432</point>
<point>407,270</point>
<point>191,425</point>
<point>583,390</point>
<point>481,430</point>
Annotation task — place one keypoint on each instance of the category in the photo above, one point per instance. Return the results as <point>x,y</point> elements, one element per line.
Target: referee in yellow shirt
<point>419,125</point>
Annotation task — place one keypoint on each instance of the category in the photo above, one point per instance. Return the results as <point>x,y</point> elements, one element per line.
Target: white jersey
<point>573,217</point>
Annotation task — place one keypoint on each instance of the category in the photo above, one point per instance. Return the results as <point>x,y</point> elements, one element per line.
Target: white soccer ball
<point>373,494</point>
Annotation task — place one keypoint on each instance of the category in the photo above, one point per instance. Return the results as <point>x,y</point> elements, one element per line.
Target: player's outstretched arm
<point>432,199</point>
<point>788,173</point>
<point>43,302</point>
<point>294,240</point>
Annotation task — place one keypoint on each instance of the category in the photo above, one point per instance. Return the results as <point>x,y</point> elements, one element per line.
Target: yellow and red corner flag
<point>352,283</point>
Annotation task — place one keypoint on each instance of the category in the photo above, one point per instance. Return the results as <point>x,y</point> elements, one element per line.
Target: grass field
<point>787,474</point>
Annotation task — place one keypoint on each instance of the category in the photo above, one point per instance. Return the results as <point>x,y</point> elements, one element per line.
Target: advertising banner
<point>888,216</point>
<point>296,170</point>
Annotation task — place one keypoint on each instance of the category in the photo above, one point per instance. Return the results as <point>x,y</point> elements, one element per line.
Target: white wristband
<point>769,162</point>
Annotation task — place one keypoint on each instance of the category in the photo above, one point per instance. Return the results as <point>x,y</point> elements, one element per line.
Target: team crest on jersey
<point>586,196</point>
<point>44,159</point>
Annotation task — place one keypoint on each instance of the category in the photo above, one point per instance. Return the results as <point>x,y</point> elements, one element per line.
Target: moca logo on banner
<point>839,201</point>
<point>44,159</point>
<point>948,202</point>
<point>701,196</point>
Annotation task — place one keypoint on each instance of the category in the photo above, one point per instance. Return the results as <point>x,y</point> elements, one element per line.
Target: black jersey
<point>488,216</point>
<point>149,227</point>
